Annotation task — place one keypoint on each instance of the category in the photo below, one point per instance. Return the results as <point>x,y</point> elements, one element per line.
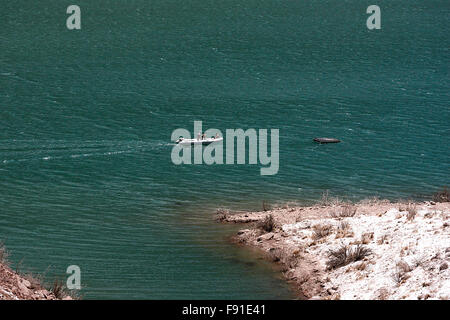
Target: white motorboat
<point>191,142</point>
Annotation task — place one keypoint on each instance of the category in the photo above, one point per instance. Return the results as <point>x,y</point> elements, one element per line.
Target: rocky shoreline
<point>373,249</point>
<point>15,286</point>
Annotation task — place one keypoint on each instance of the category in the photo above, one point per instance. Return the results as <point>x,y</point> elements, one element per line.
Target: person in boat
<point>199,136</point>
<point>203,137</point>
<point>217,136</point>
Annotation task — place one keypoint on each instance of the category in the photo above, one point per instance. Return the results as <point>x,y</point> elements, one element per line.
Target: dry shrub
<point>334,214</point>
<point>266,206</point>
<point>404,205</point>
<point>401,272</point>
<point>287,260</point>
<point>268,224</point>
<point>442,195</point>
<point>3,254</point>
<point>345,254</point>
<point>359,253</point>
<point>326,200</point>
<point>321,230</point>
<point>35,280</point>
<point>344,230</point>
<point>61,291</point>
<point>337,258</point>
<point>58,289</point>
<point>346,211</point>
<point>412,212</point>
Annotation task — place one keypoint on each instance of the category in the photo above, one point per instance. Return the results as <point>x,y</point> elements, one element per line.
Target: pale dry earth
<point>403,248</point>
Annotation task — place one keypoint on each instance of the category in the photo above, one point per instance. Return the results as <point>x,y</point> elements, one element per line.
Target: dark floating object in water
<point>326,140</point>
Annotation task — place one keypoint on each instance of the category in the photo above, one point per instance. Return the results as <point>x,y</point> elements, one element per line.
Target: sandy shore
<point>370,250</point>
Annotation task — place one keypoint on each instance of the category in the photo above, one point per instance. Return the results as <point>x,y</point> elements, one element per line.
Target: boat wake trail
<point>22,151</point>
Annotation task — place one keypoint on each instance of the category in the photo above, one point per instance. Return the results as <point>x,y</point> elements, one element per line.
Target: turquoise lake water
<point>86,116</point>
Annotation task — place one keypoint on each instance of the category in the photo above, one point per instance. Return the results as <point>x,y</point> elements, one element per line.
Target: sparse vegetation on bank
<point>268,224</point>
<point>373,249</point>
<point>346,254</point>
<point>442,195</point>
<point>15,285</point>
